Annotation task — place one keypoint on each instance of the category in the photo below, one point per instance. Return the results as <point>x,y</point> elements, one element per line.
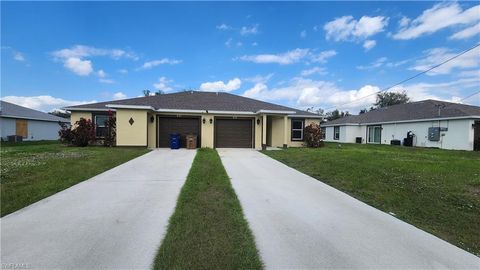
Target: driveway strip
<point>115,220</point>
<point>300,222</point>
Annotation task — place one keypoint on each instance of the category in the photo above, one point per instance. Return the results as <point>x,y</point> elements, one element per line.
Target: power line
<point>409,78</point>
<point>469,96</point>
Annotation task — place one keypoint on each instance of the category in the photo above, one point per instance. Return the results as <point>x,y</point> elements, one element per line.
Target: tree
<point>330,116</point>
<point>59,113</point>
<point>146,92</point>
<point>111,134</point>
<point>385,99</point>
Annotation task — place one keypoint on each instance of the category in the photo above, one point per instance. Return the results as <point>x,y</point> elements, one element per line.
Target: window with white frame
<point>297,129</point>
<point>324,133</point>
<point>336,133</point>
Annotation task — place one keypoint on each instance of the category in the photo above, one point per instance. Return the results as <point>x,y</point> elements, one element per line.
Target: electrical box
<point>434,134</point>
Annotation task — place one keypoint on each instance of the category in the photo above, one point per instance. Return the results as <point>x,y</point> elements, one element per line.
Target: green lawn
<point>208,230</point>
<point>435,190</point>
<point>31,171</point>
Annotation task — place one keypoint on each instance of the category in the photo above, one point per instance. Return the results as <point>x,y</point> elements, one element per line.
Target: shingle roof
<point>425,109</point>
<point>196,100</point>
<point>14,111</point>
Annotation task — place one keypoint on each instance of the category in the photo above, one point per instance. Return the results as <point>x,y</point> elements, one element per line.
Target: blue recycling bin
<point>174,141</point>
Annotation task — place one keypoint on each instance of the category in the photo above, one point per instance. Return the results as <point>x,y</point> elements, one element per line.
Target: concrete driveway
<point>115,220</point>
<point>299,222</point>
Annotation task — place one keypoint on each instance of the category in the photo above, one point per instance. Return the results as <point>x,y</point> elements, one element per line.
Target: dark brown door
<point>234,133</point>
<point>476,136</point>
<point>183,126</point>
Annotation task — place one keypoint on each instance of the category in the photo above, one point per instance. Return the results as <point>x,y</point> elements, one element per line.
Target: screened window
<point>297,129</point>
<point>374,134</point>
<point>101,123</point>
<point>324,133</point>
<point>336,133</point>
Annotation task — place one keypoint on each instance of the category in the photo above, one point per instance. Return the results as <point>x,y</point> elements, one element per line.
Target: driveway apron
<point>115,220</point>
<point>300,222</point>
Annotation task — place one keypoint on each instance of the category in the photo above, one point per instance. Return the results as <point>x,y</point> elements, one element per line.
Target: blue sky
<point>321,54</point>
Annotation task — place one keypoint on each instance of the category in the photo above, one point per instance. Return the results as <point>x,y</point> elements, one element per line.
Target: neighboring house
<point>32,125</point>
<point>218,119</point>
<point>433,124</point>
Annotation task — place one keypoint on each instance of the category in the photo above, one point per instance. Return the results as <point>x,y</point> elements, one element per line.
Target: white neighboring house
<point>32,125</point>
<point>432,123</point>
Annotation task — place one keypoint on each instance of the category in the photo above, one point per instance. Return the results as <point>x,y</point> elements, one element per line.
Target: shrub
<point>313,135</point>
<point>81,135</point>
<point>65,133</point>
<point>111,133</point>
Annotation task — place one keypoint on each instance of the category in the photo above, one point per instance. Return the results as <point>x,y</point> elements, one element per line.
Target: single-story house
<point>431,123</point>
<point>219,120</point>
<point>30,124</point>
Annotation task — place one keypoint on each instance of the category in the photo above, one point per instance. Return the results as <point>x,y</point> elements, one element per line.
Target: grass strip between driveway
<point>31,171</point>
<point>433,189</point>
<point>208,229</point>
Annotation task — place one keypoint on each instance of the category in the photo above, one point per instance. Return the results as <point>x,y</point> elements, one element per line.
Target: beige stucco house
<point>219,120</point>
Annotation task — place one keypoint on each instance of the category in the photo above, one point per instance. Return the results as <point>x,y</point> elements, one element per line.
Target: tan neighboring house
<point>220,120</point>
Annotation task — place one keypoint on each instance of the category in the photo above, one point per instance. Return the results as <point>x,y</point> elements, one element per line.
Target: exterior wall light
<point>258,121</point>
<point>203,120</point>
<point>211,120</point>
<point>152,119</point>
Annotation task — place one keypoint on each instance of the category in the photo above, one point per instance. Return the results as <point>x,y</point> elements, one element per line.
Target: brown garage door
<point>183,126</point>
<point>233,133</point>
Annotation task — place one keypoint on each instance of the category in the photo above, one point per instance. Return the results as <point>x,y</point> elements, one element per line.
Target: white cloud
<point>101,73</point>
<point>346,28</point>
<point>123,71</point>
<point>256,91</point>
<point>356,99</point>
<point>74,58</point>
<point>246,31</point>
<point>289,57</point>
<point>259,78</point>
<point>163,61</point>
<point>254,44</point>
<point>108,81</point>
<point>369,44</point>
<point>43,103</point>
<point>303,34</point>
<point>231,85</point>
<point>314,70</point>
<point>223,27</point>
<point>119,95</point>
<point>18,56</point>
<point>438,17</point>
<point>162,84</point>
<point>79,66</point>
<point>436,56</point>
<point>286,58</point>
<point>82,51</point>
<point>323,56</point>
<point>375,64</point>
<point>467,32</point>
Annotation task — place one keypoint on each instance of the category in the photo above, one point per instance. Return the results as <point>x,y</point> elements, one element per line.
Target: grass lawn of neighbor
<point>208,229</point>
<point>31,171</point>
<point>433,189</point>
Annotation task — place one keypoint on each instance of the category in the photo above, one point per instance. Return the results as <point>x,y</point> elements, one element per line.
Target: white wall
<point>42,130</point>
<point>347,134</point>
<point>37,130</point>
<point>459,135</point>
<point>7,127</point>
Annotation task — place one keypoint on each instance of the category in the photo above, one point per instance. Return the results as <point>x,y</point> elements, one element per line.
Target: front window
<point>336,133</point>
<point>101,125</point>
<point>297,129</point>
<point>374,134</point>
<point>324,133</point>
